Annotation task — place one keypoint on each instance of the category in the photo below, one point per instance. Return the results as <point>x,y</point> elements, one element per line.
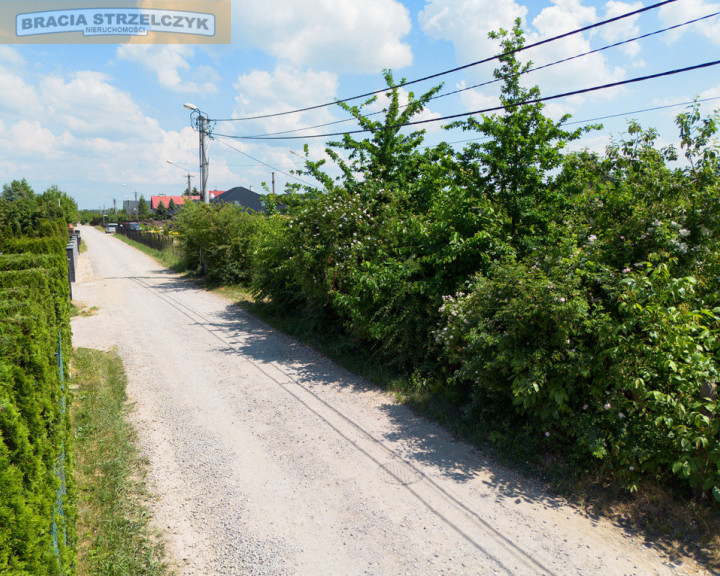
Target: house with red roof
<point>155,201</point>
<point>163,199</point>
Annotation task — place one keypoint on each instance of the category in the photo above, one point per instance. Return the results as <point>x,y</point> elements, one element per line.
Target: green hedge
<point>37,511</point>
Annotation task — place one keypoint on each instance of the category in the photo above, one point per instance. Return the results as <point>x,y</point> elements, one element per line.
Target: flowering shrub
<point>522,340</point>
<point>663,371</point>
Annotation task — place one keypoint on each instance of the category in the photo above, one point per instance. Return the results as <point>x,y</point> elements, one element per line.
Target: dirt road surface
<point>268,459</point>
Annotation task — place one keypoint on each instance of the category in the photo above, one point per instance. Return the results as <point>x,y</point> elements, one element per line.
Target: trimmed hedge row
<point>37,511</point>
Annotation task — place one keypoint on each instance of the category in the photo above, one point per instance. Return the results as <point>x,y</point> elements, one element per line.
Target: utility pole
<point>273,182</point>
<point>189,190</point>
<point>137,219</point>
<point>202,122</point>
<point>114,206</point>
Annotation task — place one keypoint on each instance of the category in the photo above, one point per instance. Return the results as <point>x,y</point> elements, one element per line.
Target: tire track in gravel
<point>424,489</point>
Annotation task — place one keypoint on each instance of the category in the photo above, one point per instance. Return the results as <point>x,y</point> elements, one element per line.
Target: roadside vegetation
<point>564,302</point>
<point>561,308</point>
<point>171,257</point>
<point>37,488</point>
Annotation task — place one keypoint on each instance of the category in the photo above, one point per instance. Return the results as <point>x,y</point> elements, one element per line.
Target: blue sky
<point>101,121</point>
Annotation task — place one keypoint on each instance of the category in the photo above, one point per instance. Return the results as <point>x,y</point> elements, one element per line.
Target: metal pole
<point>273,182</point>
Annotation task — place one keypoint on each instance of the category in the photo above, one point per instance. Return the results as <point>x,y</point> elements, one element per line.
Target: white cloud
<point>675,13</point>
<point>466,23</point>
<point>18,96</point>
<point>477,99</point>
<point>83,131</point>
<point>10,55</point>
<point>31,137</point>
<point>585,72</point>
<point>622,29</point>
<point>285,88</point>
<point>89,105</point>
<point>170,63</point>
<point>343,35</point>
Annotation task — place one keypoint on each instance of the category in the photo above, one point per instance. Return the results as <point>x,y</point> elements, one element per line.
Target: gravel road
<point>268,459</point>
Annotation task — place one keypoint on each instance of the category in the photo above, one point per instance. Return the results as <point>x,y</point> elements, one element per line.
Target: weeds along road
<point>268,459</point>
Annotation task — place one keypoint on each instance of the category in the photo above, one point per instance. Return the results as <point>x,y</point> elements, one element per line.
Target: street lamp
<point>186,170</point>
<point>201,123</point>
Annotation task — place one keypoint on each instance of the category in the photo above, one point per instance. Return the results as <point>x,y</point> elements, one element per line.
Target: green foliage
<point>571,300</point>
<point>521,340</point>
<point>56,204</point>
<point>219,238</point>
<point>37,527</point>
<point>663,373</point>
<point>523,146</point>
<point>160,211</point>
<point>18,208</point>
<point>21,209</point>
<point>143,209</point>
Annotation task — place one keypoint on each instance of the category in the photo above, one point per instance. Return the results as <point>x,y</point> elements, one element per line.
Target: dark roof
<point>242,197</point>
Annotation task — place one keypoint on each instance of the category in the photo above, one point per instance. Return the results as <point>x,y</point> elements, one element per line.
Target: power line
<point>619,114</point>
<point>260,161</point>
<point>642,110</point>
<point>495,108</point>
<point>615,45</point>
<point>601,49</point>
<point>586,121</point>
<point>457,69</point>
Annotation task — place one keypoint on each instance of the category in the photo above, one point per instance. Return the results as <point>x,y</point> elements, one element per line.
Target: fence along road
<point>267,458</point>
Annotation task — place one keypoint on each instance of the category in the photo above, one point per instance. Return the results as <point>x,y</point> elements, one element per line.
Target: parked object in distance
<point>134,226</point>
<point>110,228</point>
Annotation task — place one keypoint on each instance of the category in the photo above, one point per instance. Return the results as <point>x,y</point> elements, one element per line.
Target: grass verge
<point>114,536</point>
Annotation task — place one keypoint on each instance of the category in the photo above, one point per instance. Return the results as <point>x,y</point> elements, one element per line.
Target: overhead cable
<point>458,68</point>
<point>259,161</point>
<point>618,115</point>
<point>466,88</point>
<point>494,108</point>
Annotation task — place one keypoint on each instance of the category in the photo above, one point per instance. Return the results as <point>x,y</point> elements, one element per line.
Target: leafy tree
<point>54,203</point>
<point>17,190</point>
<point>374,286</point>
<point>219,238</point>
<point>512,167</point>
